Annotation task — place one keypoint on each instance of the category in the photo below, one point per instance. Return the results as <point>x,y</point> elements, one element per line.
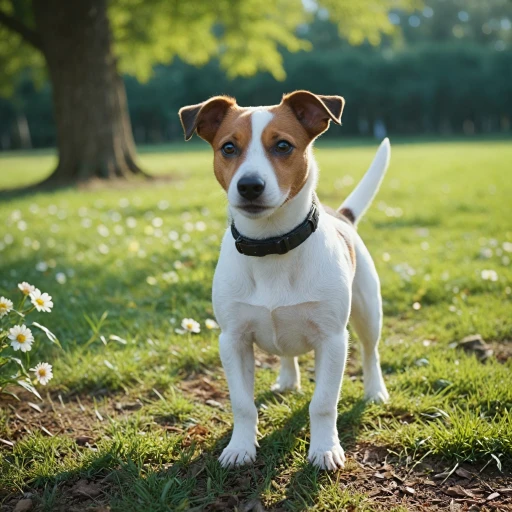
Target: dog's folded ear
<point>206,117</point>
<point>314,111</point>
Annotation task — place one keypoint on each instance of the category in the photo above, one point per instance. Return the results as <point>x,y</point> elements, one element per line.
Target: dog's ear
<point>314,111</point>
<point>206,117</point>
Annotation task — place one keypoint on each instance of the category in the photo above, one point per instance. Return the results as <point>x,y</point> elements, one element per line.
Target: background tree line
<point>448,69</point>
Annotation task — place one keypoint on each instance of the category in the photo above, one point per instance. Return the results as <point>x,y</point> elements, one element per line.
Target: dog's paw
<point>283,385</point>
<point>237,455</point>
<point>330,458</point>
<point>378,394</point>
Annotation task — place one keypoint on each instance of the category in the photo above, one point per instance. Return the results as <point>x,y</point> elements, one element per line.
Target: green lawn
<point>156,410</point>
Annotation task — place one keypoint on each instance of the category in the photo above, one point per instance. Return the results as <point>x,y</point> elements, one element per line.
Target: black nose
<point>250,187</point>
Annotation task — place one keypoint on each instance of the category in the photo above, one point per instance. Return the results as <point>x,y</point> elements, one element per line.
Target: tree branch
<point>29,35</point>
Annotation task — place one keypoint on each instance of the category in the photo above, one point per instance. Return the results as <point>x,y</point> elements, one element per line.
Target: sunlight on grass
<point>131,263</point>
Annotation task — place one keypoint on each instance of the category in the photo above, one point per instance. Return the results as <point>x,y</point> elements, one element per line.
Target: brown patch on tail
<point>348,214</point>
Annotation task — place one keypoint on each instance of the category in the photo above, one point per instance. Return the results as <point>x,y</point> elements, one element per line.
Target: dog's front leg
<point>325,450</point>
<point>237,356</point>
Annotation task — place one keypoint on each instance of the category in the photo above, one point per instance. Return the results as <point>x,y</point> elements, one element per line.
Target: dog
<point>291,272</point>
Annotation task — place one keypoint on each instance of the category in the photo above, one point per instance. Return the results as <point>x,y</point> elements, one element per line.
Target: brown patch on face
<point>235,128</point>
<point>291,169</point>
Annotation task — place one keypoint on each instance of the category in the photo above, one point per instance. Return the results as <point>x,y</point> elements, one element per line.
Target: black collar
<point>279,244</point>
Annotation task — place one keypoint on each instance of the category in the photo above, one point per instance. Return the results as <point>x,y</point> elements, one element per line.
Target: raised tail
<point>362,196</point>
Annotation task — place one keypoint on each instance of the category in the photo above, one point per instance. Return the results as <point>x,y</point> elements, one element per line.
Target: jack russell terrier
<point>291,271</point>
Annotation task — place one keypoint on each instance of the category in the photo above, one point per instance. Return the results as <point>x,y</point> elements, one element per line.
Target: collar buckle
<point>283,245</point>
<point>238,245</point>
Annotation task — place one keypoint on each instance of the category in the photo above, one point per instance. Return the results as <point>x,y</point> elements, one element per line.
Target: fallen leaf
<point>23,505</point>
<point>456,491</point>
<point>35,407</point>
<point>409,490</point>
<point>476,344</point>
<point>463,473</point>
<point>214,403</point>
<point>492,496</point>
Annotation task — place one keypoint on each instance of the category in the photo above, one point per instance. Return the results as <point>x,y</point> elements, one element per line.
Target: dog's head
<point>261,153</point>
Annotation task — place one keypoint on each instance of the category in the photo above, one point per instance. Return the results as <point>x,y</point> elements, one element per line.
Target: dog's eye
<point>229,149</point>
<point>283,147</point>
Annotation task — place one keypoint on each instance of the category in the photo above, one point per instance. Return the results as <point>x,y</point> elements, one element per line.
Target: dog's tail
<point>362,196</point>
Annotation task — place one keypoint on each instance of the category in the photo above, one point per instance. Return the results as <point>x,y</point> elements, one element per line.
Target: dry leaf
<point>464,473</point>
<point>23,505</point>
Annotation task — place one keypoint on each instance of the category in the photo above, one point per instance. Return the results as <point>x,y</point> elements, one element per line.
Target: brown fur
<point>344,235</point>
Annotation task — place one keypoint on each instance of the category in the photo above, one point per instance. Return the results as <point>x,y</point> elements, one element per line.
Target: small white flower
<point>489,275</point>
<point>211,324</point>
<point>416,306</point>
<point>190,325</point>
<point>41,301</point>
<point>61,278</point>
<point>21,338</point>
<point>43,373</point>
<point>26,288</point>
<point>5,306</point>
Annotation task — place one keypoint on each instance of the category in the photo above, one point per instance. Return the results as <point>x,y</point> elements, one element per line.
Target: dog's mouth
<point>254,209</point>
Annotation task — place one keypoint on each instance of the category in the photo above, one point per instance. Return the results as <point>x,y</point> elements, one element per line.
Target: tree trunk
<point>94,135</point>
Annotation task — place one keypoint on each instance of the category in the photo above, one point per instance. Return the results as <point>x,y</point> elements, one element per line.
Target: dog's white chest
<point>285,330</point>
<point>284,304</point>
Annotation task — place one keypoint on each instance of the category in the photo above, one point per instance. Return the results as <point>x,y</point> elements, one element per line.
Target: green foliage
<point>246,36</point>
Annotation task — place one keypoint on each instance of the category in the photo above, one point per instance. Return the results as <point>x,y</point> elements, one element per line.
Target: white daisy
<point>43,373</point>
<point>5,306</point>
<point>489,275</point>
<point>190,325</point>
<point>41,301</point>
<point>26,288</point>
<point>211,324</point>
<point>21,338</point>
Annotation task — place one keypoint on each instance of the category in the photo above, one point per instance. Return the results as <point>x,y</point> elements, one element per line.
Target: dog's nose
<point>250,187</point>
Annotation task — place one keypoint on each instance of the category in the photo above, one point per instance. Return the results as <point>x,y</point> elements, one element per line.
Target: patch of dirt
<point>205,387</point>
<point>81,418</point>
<point>430,484</point>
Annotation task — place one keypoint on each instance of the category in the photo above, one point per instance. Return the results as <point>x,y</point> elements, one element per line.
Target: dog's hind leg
<point>289,375</point>
<point>366,318</point>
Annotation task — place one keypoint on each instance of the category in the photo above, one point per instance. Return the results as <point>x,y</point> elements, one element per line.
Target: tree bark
<point>94,135</point>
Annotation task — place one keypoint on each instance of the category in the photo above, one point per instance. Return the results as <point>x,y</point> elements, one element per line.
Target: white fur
<point>362,196</point>
<point>289,305</point>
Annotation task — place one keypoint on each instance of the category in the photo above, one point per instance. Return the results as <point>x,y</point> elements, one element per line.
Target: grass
<point>138,260</point>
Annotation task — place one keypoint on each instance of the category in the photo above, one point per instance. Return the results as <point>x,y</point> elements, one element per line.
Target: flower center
<point>40,302</point>
<point>21,338</point>
<point>42,372</point>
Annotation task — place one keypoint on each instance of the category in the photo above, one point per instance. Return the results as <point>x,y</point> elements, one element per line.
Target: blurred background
<point>94,77</point>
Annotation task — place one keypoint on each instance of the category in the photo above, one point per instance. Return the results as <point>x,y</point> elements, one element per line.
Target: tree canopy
<point>246,36</point>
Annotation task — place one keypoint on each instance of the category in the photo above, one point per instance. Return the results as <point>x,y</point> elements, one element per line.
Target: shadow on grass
<point>195,480</point>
